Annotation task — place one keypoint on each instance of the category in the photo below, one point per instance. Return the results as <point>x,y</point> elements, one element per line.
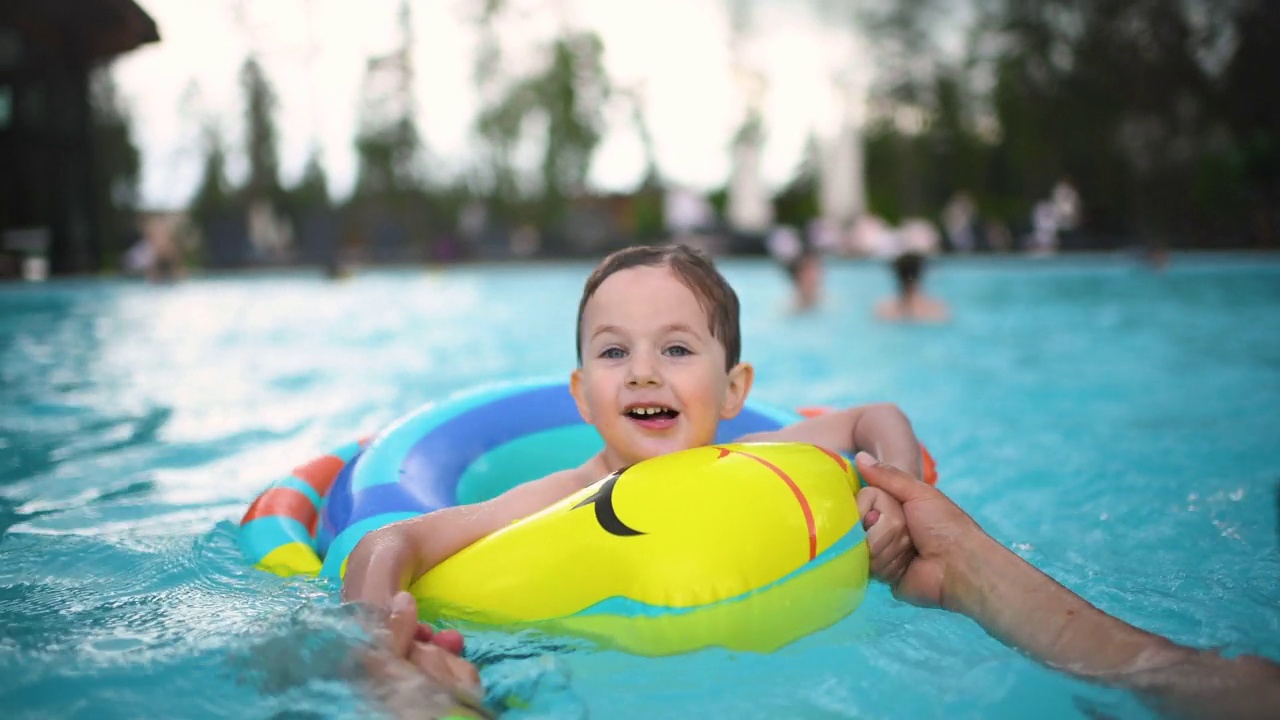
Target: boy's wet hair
<point>695,270</point>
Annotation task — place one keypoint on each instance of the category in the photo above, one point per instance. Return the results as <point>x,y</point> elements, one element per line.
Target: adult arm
<point>959,567</point>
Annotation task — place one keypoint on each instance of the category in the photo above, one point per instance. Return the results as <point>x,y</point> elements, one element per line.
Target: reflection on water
<point>1114,427</point>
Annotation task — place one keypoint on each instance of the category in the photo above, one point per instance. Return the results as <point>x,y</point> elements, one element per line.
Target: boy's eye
<point>679,351</point>
<point>612,353</point>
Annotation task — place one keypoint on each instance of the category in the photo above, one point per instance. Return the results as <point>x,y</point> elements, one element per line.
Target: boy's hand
<point>887,536</point>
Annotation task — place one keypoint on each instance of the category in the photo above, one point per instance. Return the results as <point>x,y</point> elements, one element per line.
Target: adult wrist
<point>972,565</point>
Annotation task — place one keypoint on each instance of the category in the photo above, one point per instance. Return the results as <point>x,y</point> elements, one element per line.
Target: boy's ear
<point>579,394</point>
<point>740,379</point>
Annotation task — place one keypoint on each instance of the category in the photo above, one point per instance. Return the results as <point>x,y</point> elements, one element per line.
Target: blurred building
<point>47,49</point>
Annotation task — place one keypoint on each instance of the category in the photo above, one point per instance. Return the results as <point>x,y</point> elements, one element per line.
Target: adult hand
<point>887,536</point>
<point>434,654</point>
<point>940,531</point>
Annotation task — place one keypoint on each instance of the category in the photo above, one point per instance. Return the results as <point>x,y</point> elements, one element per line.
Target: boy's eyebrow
<point>605,329</point>
<point>673,327</point>
<point>680,327</point>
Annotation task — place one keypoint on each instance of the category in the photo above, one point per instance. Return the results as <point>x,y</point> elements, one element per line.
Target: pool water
<point>1114,426</point>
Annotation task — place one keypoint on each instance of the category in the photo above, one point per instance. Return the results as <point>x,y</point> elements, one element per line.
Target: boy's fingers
<point>888,478</point>
<point>450,640</point>
<point>889,568</point>
<point>870,519</point>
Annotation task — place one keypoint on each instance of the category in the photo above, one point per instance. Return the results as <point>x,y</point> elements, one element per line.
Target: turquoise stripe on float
<point>347,540</point>
<point>526,458</point>
<point>627,607</point>
<point>261,536</point>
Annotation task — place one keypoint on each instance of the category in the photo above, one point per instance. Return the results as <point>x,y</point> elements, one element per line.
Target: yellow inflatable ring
<point>742,546</point>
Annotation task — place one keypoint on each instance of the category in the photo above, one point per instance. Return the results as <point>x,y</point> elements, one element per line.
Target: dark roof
<point>85,29</point>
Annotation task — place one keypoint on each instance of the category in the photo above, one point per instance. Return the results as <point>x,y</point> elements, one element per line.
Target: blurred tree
<point>1252,112</point>
<point>572,92</point>
<point>498,123</point>
<point>213,193</point>
<point>396,216</point>
<point>116,168</point>
<point>1160,113</point>
<point>312,188</point>
<point>563,102</point>
<point>797,203</point>
<point>216,210</point>
<point>315,223</point>
<point>261,144</point>
<point>388,145</point>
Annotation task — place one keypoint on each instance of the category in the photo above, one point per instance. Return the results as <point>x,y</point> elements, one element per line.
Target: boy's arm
<point>880,429</point>
<point>390,558</point>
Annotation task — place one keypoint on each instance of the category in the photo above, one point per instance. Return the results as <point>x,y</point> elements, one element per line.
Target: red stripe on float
<point>928,466</point>
<point>285,502</point>
<point>320,473</point>
<point>844,464</point>
<point>800,498</point>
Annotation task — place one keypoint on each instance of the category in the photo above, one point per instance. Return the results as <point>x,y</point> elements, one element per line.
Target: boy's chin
<point>650,450</point>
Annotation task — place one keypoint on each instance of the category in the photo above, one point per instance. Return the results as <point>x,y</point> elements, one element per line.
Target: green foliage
<point>261,136</point>
<point>213,196</point>
<point>798,201</point>
<point>388,161</point>
<point>1130,99</point>
<point>312,190</point>
<point>116,167</point>
<point>564,101</point>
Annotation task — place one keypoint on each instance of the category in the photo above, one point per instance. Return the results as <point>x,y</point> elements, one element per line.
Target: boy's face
<point>653,378</point>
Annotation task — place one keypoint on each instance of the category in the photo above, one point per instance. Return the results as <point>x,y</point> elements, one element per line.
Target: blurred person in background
<point>156,255</point>
<point>802,263</point>
<point>958,218</point>
<point>911,304</point>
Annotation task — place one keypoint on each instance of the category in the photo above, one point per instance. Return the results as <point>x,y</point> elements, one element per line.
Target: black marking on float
<point>605,514</point>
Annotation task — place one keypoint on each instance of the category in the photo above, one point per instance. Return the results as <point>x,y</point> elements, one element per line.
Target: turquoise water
<point>1115,427</point>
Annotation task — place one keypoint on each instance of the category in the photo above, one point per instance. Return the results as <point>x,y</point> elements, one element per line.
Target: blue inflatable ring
<point>466,449</point>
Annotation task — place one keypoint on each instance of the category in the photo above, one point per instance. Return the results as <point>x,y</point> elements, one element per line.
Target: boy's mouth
<point>653,417</point>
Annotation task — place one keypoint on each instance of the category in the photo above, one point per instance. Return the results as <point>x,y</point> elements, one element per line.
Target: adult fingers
<point>402,624</point>
<point>445,668</point>
<point>890,479</point>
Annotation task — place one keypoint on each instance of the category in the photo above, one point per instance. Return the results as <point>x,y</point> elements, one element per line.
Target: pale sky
<point>314,52</point>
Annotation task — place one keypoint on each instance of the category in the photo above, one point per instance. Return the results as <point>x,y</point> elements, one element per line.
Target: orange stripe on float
<point>282,501</point>
<point>320,473</point>
<point>795,490</point>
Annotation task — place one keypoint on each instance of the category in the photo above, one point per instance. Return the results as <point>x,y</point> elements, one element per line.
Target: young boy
<point>659,368</point>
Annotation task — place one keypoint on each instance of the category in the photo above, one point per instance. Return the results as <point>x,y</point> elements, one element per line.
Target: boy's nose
<point>642,373</point>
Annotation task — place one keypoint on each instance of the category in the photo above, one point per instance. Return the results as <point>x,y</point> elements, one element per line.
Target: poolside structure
<point>47,195</point>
